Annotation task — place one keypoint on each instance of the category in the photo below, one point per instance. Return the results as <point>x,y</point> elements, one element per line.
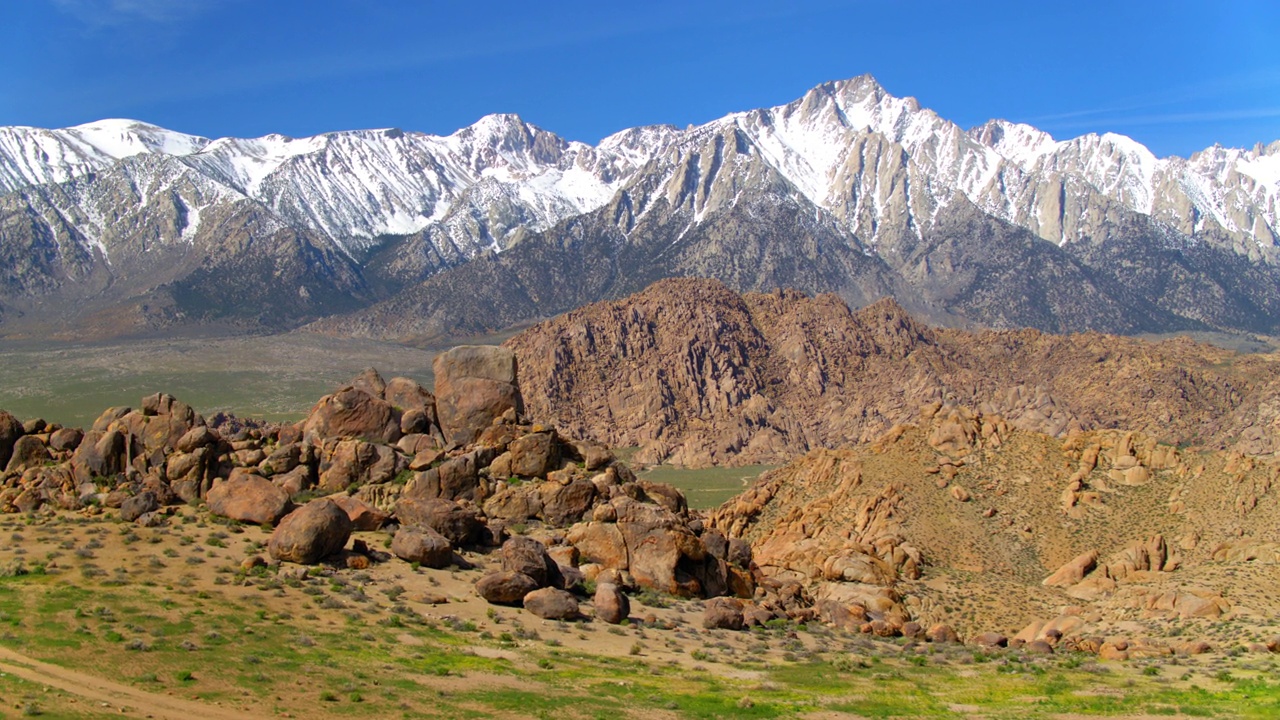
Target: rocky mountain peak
<point>847,189</point>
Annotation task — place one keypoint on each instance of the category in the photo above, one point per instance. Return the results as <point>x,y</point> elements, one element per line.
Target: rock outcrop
<point>311,533</point>
<point>871,538</point>
<point>695,374</point>
<point>474,385</point>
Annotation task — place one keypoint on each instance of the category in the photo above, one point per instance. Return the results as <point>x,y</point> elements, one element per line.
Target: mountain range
<point>119,227</point>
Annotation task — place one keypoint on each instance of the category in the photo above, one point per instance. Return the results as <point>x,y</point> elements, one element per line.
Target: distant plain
<point>274,377</point>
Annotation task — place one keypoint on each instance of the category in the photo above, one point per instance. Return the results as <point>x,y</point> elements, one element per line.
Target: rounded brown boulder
<point>1038,647</point>
<point>352,414</point>
<point>311,533</point>
<point>461,525</point>
<point>248,498</point>
<point>723,613</point>
<point>474,384</point>
<point>990,640</point>
<point>28,451</point>
<point>551,604</point>
<point>10,431</point>
<point>526,555</point>
<point>138,505</point>
<point>422,545</point>
<point>941,633</point>
<point>611,605</point>
<point>505,587</point>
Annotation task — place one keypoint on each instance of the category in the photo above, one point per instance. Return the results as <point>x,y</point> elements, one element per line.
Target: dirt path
<point>113,696</point>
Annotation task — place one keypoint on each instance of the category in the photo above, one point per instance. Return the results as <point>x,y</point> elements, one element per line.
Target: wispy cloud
<point>1258,84</point>
<point>1169,118</point>
<point>99,14</point>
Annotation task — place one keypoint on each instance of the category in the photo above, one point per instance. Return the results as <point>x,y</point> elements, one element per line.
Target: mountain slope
<point>696,374</point>
<point>847,189</point>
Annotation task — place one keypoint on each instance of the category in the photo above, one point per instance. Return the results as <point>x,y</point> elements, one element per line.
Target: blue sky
<point>1177,76</point>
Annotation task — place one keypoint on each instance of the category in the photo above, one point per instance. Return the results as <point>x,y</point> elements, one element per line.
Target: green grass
<point>706,487</point>
<point>274,377</point>
<point>247,649</point>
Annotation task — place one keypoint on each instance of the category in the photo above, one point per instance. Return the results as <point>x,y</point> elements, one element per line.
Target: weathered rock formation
<point>876,538</point>
<point>696,374</point>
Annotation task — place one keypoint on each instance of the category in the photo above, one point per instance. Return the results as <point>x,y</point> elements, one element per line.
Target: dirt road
<point>114,697</point>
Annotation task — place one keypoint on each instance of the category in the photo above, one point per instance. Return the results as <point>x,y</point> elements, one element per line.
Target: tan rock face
<point>311,533</point>
<point>611,605</point>
<point>419,544</point>
<point>878,544</point>
<point>352,413</point>
<point>695,374</point>
<point>248,498</point>
<point>474,385</point>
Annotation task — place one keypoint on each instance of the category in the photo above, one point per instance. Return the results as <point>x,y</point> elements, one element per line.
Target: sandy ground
<point>113,696</point>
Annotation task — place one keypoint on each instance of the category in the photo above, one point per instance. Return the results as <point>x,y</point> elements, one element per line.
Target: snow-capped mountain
<point>884,178</point>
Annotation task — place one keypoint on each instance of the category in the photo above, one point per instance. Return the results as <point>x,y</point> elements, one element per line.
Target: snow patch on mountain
<point>1264,169</point>
<point>875,161</point>
<point>120,138</point>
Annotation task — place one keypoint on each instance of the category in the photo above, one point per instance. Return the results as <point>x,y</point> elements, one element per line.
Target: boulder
<point>356,462</point>
<point>612,606</point>
<point>294,481</point>
<point>311,533</point>
<point>138,505</point>
<point>551,604</point>
<point>505,587</point>
<point>455,479</point>
<point>352,414</point>
<point>190,474</point>
<point>369,381</point>
<point>162,422</point>
<point>109,416</point>
<point>668,496</point>
<point>566,504</point>
<point>27,452</point>
<point>601,543</point>
<point>416,444</point>
<point>594,455</point>
<point>941,633</point>
<point>528,556</point>
<point>567,577</point>
<point>564,555</point>
<point>461,525</point>
<point>10,431</point>
<point>990,640</point>
<point>414,422</point>
<point>363,516</point>
<point>407,394</point>
<point>739,554</point>
<point>286,457</point>
<point>1073,571</point>
<point>1038,647</point>
<point>100,454</point>
<point>248,498</point>
<point>659,548</point>
<point>534,455</point>
<point>66,439</point>
<point>723,613</point>
<point>474,385</point>
<point>422,545</point>
<point>514,503</point>
<point>196,438</point>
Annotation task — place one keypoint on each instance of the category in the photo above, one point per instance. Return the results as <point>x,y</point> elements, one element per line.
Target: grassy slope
<point>168,610</point>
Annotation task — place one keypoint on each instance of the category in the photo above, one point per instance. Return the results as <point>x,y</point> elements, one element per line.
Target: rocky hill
<point>1074,541</point>
<point>848,189</point>
<point>694,373</point>
<point>958,527</point>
